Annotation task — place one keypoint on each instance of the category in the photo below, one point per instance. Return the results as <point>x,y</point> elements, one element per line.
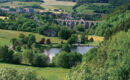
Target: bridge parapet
<point>72,23</point>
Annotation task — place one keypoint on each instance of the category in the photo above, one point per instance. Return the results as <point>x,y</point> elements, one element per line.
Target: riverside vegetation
<point>108,61</point>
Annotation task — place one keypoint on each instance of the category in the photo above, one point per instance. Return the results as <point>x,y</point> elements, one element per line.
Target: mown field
<point>7,35</point>
<point>49,5</point>
<point>62,5</point>
<point>50,73</point>
<point>19,4</point>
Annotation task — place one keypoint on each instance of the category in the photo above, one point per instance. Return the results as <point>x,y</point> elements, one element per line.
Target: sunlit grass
<point>50,73</point>
<point>7,35</point>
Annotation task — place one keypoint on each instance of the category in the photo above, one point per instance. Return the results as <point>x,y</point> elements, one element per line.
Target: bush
<point>79,28</point>
<point>18,48</point>
<point>67,60</point>
<point>66,47</point>
<point>91,39</point>
<point>73,39</point>
<point>41,60</point>
<point>48,41</point>
<point>6,55</point>
<point>64,33</point>
<point>27,57</point>
<point>42,41</point>
<point>17,58</point>
<point>13,74</point>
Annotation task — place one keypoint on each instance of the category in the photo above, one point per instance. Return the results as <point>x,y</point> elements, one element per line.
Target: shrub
<point>13,74</point>
<point>66,47</point>
<point>42,41</point>
<point>67,60</point>
<point>64,33</point>
<point>18,48</point>
<point>73,39</point>
<point>48,41</point>
<point>41,60</point>
<point>91,39</point>
<point>27,57</point>
<point>17,58</point>
<point>6,55</point>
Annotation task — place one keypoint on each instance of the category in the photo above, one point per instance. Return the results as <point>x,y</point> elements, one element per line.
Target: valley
<point>64,39</point>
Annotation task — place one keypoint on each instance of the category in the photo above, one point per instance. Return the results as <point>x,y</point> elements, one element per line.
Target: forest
<point>111,60</point>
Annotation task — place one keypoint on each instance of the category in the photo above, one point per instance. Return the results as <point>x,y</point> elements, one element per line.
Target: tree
<point>41,60</point>
<point>42,41</point>
<point>17,58</point>
<point>83,38</point>
<point>27,57</point>
<point>73,39</point>
<point>79,27</point>
<point>91,39</point>
<point>64,33</point>
<point>31,39</point>
<point>66,47</point>
<point>48,41</point>
<point>14,42</point>
<point>67,60</point>
<point>6,55</point>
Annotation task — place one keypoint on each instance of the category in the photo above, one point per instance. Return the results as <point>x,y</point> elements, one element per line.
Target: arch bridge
<point>72,23</point>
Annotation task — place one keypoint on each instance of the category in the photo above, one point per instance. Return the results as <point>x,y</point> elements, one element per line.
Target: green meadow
<point>19,4</point>
<point>7,35</point>
<point>50,73</point>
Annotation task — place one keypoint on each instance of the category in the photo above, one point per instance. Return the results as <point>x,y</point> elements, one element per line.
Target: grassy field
<point>62,5</point>
<point>7,35</point>
<point>19,4</point>
<point>85,8</point>
<point>50,73</point>
<point>54,2</point>
<point>96,38</point>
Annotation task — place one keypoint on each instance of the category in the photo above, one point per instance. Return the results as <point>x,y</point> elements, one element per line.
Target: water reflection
<point>80,49</point>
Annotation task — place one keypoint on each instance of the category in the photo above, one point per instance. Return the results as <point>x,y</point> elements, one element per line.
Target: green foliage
<point>23,40</point>
<point>29,57</point>
<point>17,58</point>
<point>67,60</point>
<point>41,60</point>
<point>108,62</point>
<point>83,38</point>
<point>115,22</point>
<point>73,39</point>
<point>118,2</point>
<point>66,47</point>
<point>13,74</point>
<point>64,33</point>
<point>80,28</point>
<point>91,39</point>
<point>6,55</point>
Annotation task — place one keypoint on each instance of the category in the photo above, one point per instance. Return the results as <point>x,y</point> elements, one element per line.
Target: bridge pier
<point>72,23</point>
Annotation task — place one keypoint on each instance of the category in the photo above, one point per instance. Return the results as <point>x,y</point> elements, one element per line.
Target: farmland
<point>15,4</point>
<point>7,35</point>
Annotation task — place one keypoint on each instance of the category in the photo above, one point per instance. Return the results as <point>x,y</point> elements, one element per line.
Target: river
<point>80,49</point>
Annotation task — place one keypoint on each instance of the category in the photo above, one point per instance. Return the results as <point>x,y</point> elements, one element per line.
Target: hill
<point>110,61</point>
<point>115,22</point>
<point>7,35</point>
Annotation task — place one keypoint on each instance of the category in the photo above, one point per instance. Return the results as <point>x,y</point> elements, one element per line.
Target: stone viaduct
<point>72,23</point>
